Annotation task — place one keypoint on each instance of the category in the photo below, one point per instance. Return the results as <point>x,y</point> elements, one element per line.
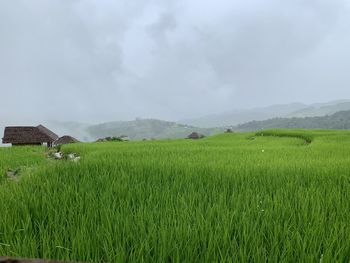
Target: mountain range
<point>331,115</point>
<point>321,109</point>
<point>257,114</point>
<point>338,121</point>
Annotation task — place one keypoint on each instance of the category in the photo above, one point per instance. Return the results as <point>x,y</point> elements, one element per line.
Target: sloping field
<point>277,196</point>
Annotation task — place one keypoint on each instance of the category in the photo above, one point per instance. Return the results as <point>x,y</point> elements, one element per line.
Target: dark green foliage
<point>114,139</point>
<point>302,134</point>
<point>339,120</point>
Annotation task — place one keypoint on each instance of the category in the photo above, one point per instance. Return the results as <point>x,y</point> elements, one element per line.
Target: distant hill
<point>321,109</point>
<point>276,116</point>
<point>339,120</point>
<point>258,114</point>
<point>245,115</point>
<point>145,128</point>
<point>136,130</point>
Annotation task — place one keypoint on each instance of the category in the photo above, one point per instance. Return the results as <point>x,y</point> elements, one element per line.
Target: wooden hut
<point>195,136</point>
<point>66,139</point>
<point>24,135</point>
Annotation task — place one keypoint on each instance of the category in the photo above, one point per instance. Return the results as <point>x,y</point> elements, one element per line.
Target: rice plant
<point>231,197</point>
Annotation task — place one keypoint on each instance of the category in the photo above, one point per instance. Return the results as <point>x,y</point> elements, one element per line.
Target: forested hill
<point>146,128</point>
<point>339,120</point>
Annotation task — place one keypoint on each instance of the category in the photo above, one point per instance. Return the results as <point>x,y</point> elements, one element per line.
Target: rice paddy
<point>276,196</point>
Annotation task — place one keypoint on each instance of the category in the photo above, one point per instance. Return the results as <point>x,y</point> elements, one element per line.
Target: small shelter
<point>195,136</point>
<point>66,139</point>
<point>28,135</point>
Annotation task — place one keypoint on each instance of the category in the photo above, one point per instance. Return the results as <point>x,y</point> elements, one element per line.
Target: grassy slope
<point>224,197</point>
<point>20,158</point>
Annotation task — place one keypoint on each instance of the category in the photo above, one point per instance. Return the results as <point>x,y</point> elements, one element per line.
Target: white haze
<point>94,61</point>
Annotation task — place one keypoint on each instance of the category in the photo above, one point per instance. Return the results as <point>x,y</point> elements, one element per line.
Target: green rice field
<point>272,196</point>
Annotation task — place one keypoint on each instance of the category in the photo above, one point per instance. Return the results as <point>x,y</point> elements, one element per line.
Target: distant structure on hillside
<point>229,130</point>
<point>122,138</point>
<point>195,136</point>
<point>27,135</point>
<point>66,139</point>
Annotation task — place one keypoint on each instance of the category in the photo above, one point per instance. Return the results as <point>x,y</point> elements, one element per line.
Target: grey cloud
<point>165,23</point>
<point>107,60</point>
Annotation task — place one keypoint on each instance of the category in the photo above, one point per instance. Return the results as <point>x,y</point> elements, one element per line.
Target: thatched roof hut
<point>21,135</point>
<point>195,136</point>
<point>66,139</point>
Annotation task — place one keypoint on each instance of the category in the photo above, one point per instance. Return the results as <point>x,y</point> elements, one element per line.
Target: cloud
<point>107,60</point>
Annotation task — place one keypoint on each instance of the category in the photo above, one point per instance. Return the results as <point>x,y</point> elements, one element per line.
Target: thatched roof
<point>28,135</point>
<point>46,131</point>
<point>195,135</point>
<point>66,139</point>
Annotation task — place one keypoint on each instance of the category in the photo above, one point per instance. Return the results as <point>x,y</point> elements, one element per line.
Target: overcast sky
<point>102,60</point>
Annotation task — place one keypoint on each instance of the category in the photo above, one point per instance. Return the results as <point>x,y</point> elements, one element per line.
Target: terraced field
<point>276,196</point>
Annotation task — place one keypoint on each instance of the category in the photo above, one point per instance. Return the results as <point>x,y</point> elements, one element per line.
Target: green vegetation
<point>20,158</point>
<point>339,120</point>
<point>146,129</point>
<point>228,197</point>
<point>307,135</point>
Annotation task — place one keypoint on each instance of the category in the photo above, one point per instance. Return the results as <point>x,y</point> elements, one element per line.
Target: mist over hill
<point>75,129</point>
<point>152,128</point>
<point>295,115</point>
<point>146,128</point>
<point>339,120</point>
<point>244,115</point>
<point>322,109</point>
<point>264,113</point>
<point>136,129</point>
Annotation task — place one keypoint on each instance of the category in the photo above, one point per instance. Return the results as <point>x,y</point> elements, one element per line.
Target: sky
<point>100,60</point>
